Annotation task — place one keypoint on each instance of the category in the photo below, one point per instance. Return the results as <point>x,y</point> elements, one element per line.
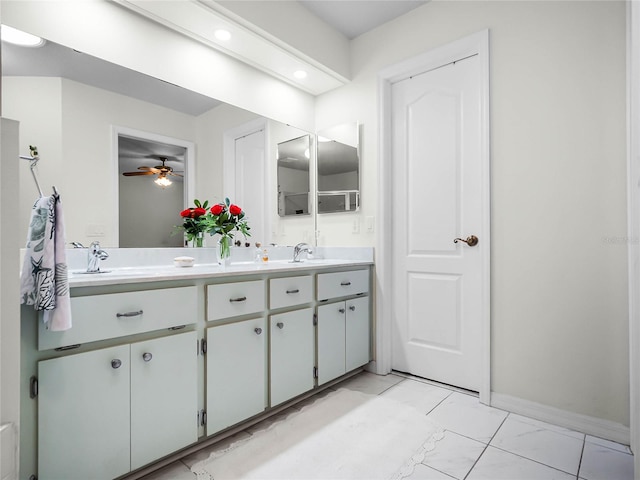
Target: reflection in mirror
<point>338,169</point>
<point>150,173</point>
<point>293,176</point>
<point>69,105</point>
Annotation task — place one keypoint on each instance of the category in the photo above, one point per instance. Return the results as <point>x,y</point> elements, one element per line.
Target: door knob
<point>472,241</point>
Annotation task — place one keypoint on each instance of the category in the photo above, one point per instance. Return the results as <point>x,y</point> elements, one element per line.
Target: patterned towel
<point>44,282</point>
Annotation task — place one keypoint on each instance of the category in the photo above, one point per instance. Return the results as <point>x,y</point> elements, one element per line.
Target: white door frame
<point>476,44</point>
<point>229,165</point>
<point>189,189</point>
<point>633,212</point>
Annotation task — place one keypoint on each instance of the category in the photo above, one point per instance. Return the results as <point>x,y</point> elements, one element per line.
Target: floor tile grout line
<point>584,443</point>
<point>486,446</point>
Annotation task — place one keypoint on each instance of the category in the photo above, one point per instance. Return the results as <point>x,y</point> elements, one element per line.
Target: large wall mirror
<point>69,105</point>
<point>338,169</point>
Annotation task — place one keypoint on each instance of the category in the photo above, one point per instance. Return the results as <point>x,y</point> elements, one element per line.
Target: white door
<point>236,373</point>
<point>83,415</point>
<point>250,182</point>
<point>437,197</point>
<point>164,385</point>
<point>331,342</point>
<point>292,354</point>
<point>357,333</point>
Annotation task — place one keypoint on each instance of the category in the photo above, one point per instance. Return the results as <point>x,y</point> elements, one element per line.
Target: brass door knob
<point>472,241</point>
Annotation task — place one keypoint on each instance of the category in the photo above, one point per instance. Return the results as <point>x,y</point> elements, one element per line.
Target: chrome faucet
<point>77,245</point>
<point>298,249</point>
<point>94,256</point>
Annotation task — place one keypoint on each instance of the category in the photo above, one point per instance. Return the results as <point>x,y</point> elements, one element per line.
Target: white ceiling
<point>354,17</point>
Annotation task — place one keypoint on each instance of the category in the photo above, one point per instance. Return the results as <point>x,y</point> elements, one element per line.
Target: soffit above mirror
<point>200,19</point>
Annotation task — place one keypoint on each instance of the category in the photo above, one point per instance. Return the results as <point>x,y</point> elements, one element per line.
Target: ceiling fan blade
<point>133,174</point>
<point>175,174</point>
<point>150,169</point>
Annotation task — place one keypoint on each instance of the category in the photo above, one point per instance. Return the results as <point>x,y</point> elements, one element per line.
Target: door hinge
<point>202,418</point>
<point>33,387</point>
<point>203,346</point>
<point>315,319</point>
<point>315,372</point>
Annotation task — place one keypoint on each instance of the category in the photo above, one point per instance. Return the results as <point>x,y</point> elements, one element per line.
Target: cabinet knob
<point>258,330</point>
<point>280,325</point>
<point>146,356</point>
<point>352,308</point>
<point>116,363</point>
<point>346,283</point>
<point>341,310</point>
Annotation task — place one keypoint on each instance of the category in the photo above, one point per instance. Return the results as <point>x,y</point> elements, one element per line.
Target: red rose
<point>185,213</point>
<point>235,210</point>
<point>198,212</point>
<point>217,209</point>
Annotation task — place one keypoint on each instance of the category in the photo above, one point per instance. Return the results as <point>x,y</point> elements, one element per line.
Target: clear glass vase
<point>198,240</point>
<point>224,250</point>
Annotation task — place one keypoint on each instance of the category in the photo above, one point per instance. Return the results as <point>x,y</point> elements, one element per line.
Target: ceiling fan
<point>161,170</point>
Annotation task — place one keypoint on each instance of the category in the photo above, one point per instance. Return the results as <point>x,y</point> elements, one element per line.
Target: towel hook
<point>33,157</point>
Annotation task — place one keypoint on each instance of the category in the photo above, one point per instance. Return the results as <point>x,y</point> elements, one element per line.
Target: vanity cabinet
<point>344,326</point>
<point>292,357</point>
<point>105,412</point>
<point>166,365</point>
<point>236,372</point>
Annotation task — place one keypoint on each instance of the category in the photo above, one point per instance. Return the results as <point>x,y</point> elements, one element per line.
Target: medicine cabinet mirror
<point>338,169</point>
<point>293,176</point>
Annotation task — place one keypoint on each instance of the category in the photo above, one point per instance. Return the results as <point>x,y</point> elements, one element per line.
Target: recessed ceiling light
<point>300,74</point>
<point>222,35</point>
<point>18,37</point>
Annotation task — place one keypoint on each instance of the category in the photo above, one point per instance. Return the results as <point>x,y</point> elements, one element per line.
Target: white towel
<point>44,283</point>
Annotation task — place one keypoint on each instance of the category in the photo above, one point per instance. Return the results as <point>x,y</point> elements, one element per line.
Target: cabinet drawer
<point>341,284</point>
<point>286,292</point>
<point>99,317</point>
<point>234,299</point>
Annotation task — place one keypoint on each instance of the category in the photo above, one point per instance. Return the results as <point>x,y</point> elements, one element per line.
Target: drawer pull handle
<point>352,308</point>
<point>146,356</point>
<point>296,290</point>
<point>238,299</point>
<point>280,325</point>
<point>346,284</point>
<point>258,330</point>
<point>341,310</point>
<point>129,314</point>
<point>116,363</point>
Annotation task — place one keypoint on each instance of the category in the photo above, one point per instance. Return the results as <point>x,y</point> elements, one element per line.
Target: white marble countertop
<point>154,265</point>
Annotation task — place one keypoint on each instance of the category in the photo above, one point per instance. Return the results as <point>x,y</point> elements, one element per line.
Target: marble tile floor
<point>479,442</point>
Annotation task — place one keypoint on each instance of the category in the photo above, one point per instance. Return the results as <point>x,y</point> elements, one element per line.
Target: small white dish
<point>183,261</point>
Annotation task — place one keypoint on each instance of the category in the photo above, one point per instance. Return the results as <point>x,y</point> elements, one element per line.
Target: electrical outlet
<point>356,226</point>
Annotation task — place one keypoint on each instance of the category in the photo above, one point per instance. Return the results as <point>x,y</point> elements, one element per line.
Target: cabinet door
<point>164,396</point>
<point>358,336</point>
<point>83,415</point>
<point>292,354</point>
<point>236,373</point>
<point>331,341</point>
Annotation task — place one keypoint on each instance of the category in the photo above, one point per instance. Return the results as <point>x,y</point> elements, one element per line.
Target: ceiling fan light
<point>163,181</point>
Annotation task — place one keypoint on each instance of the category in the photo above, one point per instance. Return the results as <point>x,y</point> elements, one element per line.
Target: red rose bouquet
<point>225,219</point>
<point>194,222</point>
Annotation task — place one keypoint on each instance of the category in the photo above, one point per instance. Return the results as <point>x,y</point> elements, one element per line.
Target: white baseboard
<point>597,427</point>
